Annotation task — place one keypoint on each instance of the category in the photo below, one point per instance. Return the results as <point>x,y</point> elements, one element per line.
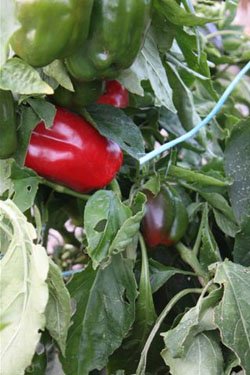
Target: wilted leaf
<point>198,319</point>
<point>204,356</point>
<point>8,25</point>
<point>21,78</point>
<point>24,292</point>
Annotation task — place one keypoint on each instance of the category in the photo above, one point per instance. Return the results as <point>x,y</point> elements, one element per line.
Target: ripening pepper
<point>116,35</point>
<point>50,30</point>
<point>166,220</point>
<point>85,93</point>
<point>8,137</point>
<point>115,94</point>
<point>73,153</point>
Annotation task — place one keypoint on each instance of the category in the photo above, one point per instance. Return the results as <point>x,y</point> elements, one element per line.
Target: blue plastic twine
<point>192,132</point>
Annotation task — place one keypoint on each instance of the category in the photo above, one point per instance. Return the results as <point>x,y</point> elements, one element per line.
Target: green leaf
<point>241,250</point>
<point>223,213</point>
<point>44,110</point>
<point>237,166</point>
<point>145,310</point>
<point>38,365</point>
<point>145,316</point>
<point>148,66</point>
<point>204,356</point>
<point>110,225</point>
<point>197,320</point>
<point>131,226</point>
<point>24,292</point>
<point>115,125</point>
<point>209,251</point>
<point>28,121</point>
<point>8,25</point>
<point>218,202</point>
<point>234,309</point>
<point>18,76</point>
<point>104,314</point>
<point>58,310</point>
<point>58,72</point>
<point>153,184</point>
<point>227,226</point>
<point>160,274</point>
<point>25,185</point>
<point>183,99</point>
<point>177,15</point>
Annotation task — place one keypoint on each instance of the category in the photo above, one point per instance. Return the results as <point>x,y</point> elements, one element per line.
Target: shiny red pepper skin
<point>73,153</point>
<point>115,95</point>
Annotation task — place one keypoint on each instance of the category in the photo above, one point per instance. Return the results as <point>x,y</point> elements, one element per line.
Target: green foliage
<point>129,308</point>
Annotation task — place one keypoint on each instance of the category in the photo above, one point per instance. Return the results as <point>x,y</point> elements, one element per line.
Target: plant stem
<point>223,32</point>
<point>198,241</point>
<point>65,190</point>
<point>142,364</point>
<point>195,177</point>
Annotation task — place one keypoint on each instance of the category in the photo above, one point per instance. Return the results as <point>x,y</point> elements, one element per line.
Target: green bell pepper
<point>116,35</point>
<point>50,29</point>
<point>85,93</point>
<point>8,137</point>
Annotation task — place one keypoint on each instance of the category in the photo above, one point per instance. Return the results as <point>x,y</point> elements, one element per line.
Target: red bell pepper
<point>73,153</point>
<point>115,95</point>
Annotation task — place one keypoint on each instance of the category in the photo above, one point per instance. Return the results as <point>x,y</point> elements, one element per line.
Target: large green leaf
<point>196,320</point>
<point>232,315</point>
<point>105,311</point>
<point>110,225</point>
<point>58,310</point>
<point>204,356</point>
<point>24,292</point>
<point>148,66</point>
<point>237,166</point>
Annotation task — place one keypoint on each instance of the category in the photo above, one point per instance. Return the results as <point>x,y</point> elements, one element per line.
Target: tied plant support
<point>151,155</point>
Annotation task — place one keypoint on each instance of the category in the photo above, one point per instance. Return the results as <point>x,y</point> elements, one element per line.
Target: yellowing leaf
<point>24,292</point>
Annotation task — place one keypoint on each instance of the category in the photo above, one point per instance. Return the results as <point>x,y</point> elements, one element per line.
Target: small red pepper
<point>115,95</point>
<point>166,220</point>
<point>73,153</point>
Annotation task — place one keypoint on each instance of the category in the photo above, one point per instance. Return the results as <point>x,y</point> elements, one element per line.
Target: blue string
<point>70,273</point>
<point>204,122</point>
